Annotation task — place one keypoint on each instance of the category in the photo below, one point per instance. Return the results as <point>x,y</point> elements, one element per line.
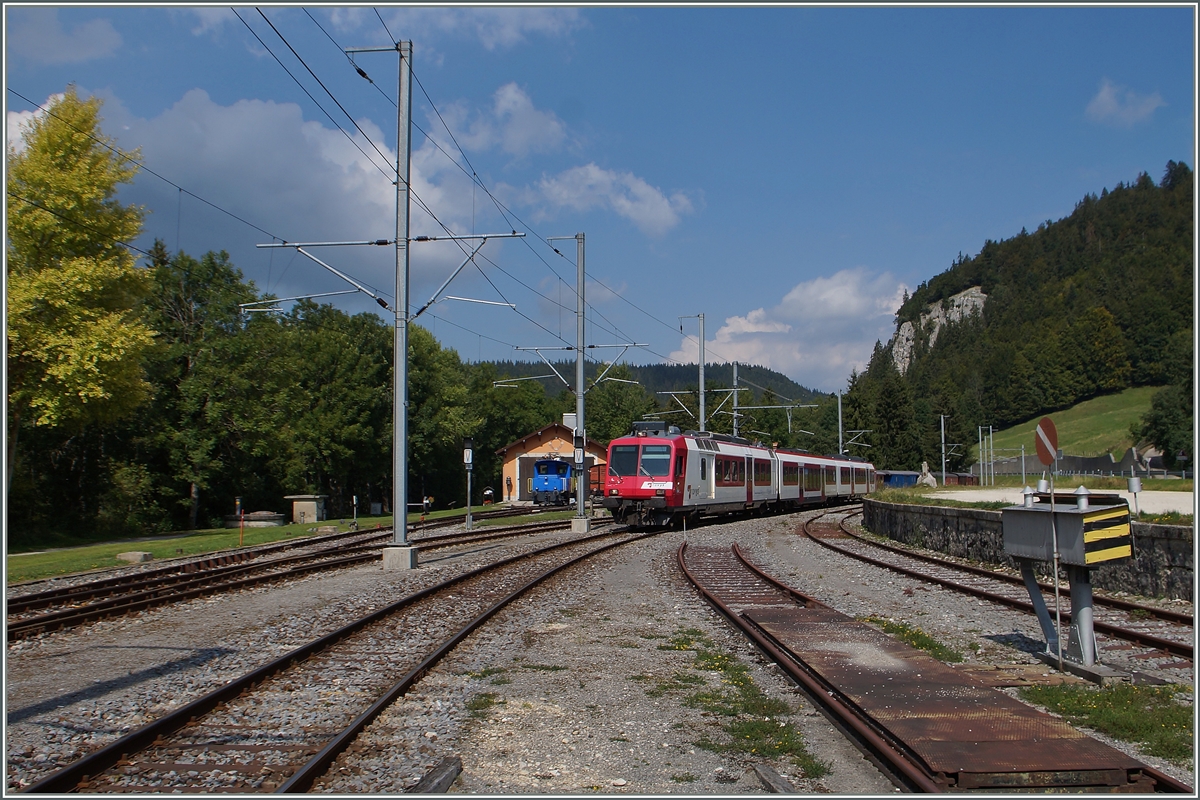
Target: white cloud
<point>513,124</point>
<point>494,28</point>
<point>1117,105</point>
<point>37,35</point>
<point>589,186</point>
<point>819,332</point>
<point>18,123</point>
<point>210,20</point>
<point>298,179</point>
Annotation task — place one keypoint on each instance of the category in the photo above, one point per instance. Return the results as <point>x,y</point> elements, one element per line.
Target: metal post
<point>1081,645</point>
<point>992,455</point>
<point>580,434</point>
<point>702,373</point>
<point>400,369</point>
<point>1057,598</point>
<point>979,431</point>
<point>943,450</point>
<point>840,448</point>
<point>468,462</point>
<point>735,400</point>
<point>1022,465</point>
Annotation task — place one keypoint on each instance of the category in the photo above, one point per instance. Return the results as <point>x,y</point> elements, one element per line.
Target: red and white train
<point>658,476</point>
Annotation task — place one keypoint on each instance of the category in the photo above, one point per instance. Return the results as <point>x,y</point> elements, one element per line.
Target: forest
<point>141,399</point>
<point>1096,302</point>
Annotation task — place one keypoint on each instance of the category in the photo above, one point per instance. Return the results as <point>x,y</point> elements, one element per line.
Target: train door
<point>749,476</point>
<point>706,477</point>
<point>680,464</point>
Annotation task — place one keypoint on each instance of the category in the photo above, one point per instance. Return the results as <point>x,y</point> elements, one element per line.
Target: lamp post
<point>468,456</point>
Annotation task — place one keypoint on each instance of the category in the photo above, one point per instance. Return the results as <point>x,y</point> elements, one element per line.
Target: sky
<point>787,172</point>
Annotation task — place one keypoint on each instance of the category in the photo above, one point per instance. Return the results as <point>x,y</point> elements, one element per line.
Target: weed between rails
<point>915,637</point>
<point>1147,715</point>
<point>752,725</point>
<point>480,703</point>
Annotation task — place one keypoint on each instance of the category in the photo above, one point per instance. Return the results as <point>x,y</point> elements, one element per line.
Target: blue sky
<point>786,171</point>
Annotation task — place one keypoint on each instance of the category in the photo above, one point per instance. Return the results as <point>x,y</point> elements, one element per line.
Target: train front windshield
<point>655,461</point>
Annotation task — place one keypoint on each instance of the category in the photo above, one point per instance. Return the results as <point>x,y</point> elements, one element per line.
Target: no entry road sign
<point>1045,439</point>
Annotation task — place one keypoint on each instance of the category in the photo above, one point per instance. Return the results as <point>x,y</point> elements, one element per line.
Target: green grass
<point>1091,428</point>
<point>480,703</point>
<point>1147,715</point>
<point>25,563</point>
<point>915,637</point>
<point>753,723</point>
<point>45,564</point>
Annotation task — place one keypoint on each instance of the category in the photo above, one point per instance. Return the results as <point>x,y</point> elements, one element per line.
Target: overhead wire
<point>310,97</point>
<point>386,30</point>
<point>142,165</point>
<point>75,222</point>
<point>506,212</point>
<point>321,83</point>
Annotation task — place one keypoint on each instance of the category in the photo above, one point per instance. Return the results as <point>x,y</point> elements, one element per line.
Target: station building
<point>553,441</point>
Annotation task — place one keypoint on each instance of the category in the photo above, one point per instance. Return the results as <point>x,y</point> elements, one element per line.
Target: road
<point>1149,502</point>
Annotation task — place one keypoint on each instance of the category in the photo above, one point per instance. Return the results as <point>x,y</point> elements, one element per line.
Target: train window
<point>762,472</point>
<point>562,470</point>
<point>656,460</point>
<point>624,460</point>
<point>791,474</point>
<point>679,462</point>
<point>543,469</point>
<point>703,469</point>
<point>731,471</point>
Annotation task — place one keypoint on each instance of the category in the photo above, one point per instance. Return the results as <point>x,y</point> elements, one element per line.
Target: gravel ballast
<point>576,688</point>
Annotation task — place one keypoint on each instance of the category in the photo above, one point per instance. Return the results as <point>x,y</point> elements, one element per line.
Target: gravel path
<point>573,690</point>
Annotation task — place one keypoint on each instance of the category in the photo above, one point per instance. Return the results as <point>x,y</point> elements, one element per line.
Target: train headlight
<point>613,492</point>
<point>660,492</point>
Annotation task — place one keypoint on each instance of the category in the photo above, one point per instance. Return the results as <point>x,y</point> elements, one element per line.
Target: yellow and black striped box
<point>1086,537</point>
<point>1106,534</point>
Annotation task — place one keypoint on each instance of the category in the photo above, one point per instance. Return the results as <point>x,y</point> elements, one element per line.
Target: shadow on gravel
<point>1019,641</point>
<point>101,688</point>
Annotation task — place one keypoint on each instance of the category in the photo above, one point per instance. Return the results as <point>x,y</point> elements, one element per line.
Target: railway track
<point>80,604</point>
<point>279,727</point>
<point>925,726</point>
<point>1160,634</point>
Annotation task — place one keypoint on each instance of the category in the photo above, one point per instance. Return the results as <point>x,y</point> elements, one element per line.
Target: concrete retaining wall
<point>1163,554</point>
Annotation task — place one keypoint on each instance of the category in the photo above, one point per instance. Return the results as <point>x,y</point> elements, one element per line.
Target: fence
<point>1129,465</point>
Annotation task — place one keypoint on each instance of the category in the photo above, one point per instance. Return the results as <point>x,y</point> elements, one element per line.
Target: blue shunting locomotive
<point>553,482</point>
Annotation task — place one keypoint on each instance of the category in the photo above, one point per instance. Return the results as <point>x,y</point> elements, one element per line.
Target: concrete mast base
<point>397,558</point>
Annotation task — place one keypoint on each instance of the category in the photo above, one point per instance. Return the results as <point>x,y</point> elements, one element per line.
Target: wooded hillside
<point>1093,303</point>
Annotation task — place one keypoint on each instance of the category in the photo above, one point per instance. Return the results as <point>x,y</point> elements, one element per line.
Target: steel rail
<point>901,769</point>
<point>1143,639</point>
<point>303,779</point>
<point>1165,614</point>
<point>189,585</point>
<point>1165,783</point>
<point>69,777</point>
<point>216,560</point>
<point>70,618</point>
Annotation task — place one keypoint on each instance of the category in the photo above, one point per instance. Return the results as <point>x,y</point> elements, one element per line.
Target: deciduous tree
<point>74,340</point>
